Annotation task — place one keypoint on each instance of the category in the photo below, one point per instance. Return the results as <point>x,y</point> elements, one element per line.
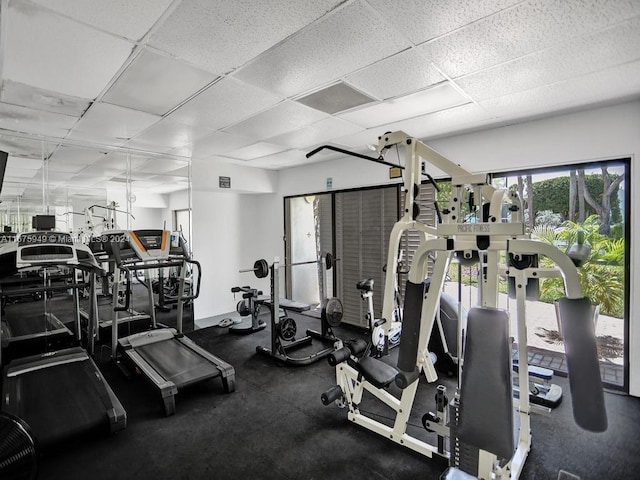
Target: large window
<point>564,205</point>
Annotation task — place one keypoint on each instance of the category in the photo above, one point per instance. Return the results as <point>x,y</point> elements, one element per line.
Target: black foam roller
<point>585,383</point>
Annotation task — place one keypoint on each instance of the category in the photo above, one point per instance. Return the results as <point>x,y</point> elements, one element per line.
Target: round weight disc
<point>287,329</point>
<point>332,311</point>
<point>329,261</point>
<point>261,268</point>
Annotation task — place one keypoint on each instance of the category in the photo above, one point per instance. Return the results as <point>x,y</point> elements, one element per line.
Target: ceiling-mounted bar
<point>354,154</point>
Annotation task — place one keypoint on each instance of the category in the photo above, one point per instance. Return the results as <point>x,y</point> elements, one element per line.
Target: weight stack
<point>464,457</point>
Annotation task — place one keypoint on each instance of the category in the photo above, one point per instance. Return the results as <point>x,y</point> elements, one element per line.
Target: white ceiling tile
<point>217,143</point>
<point>400,74</point>
<point>121,161</point>
<point>111,124</point>
<point>422,20</point>
<point>156,83</point>
<point>309,59</point>
<point>224,103</point>
<point>220,36</point>
<point>76,155</point>
<point>256,150</point>
<point>24,163</point>
<point>576,57</point>
<point>290,158</point>
<point>515,32</point>
<point>319,132</point>
<point>88,180</point>
<point>11,189</point>
<point>167,135</point>
<point>430,100</point>
<point>122,17</point>
<point>39,99</point>
<point>54,53</point>
<point>22,119</point>
<point>160,165</point>
<point>13,173</point>
<point>24,147</point>
<point>284,117</point>
<point>100,170</point>
<point>359,140</point>
<point>436,123</point>
<point>616,84</point>
<point>60,166</point>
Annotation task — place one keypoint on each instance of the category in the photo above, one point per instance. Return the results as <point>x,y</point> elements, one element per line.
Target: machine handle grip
<point>197,292</point>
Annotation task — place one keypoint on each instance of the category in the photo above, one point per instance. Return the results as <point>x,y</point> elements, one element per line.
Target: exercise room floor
<point>275,427</point>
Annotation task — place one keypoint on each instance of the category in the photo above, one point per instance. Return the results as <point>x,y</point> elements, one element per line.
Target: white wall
<point>228,229</point>
<point>603,133</point>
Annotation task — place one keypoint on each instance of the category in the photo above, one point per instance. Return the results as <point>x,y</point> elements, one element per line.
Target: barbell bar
<point>261,267</point>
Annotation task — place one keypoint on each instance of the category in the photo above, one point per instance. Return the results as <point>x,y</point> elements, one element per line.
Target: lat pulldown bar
<point>261,267</point>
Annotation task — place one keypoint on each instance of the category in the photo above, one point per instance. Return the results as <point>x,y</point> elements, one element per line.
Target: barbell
<point>261,267</point>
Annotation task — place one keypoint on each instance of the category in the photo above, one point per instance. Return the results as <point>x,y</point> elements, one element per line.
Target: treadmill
<point>27,335</point>
<point>59,393</point>
<point>102,247</point>
<point>170,360</point>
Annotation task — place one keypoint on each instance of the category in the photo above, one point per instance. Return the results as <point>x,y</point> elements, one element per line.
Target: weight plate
<point>287,329</point>
<point>329,261</point>
<point>332,311</point>
<point>261,268</point>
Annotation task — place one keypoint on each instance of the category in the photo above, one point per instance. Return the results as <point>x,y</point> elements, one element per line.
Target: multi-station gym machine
<point>483,431</point>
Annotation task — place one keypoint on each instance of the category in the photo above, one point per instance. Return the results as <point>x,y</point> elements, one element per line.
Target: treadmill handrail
<point>46,364</point>
<point>197,292</point>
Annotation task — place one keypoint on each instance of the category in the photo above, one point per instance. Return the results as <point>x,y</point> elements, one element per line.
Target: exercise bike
<point>384,338</point>
<point>380,343</point>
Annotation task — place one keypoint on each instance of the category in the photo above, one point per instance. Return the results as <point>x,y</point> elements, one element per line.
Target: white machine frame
<point>441,241</point>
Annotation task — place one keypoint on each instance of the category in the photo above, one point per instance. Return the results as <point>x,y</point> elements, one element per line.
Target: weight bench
<point>541,390</point>
<point>285,329</point>
<point>285,304</point>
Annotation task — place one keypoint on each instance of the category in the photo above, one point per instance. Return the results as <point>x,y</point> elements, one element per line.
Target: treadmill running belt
<point>33,325</point>
<point>58,402</point>
<point>176,362</point>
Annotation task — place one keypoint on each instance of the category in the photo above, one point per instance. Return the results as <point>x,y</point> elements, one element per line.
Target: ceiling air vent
<point>336,98</point>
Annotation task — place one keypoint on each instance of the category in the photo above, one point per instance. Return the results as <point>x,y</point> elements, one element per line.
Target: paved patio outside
<point>545,346</point>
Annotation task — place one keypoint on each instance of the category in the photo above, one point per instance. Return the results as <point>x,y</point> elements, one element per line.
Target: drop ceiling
<point>96,86</point>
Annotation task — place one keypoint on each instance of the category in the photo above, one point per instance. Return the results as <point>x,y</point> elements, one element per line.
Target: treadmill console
<point>150,244</point>
<point>45,247</point>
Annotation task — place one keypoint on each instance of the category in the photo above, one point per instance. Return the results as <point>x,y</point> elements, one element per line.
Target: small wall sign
<point>329,183</point>
<point>224,182</point>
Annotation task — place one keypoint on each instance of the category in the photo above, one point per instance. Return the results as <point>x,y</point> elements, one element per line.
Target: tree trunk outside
<point>573,192</point>
<point>532,217</point>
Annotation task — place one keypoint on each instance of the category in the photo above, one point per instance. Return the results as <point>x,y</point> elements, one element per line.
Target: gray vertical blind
<point>363,222</point>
